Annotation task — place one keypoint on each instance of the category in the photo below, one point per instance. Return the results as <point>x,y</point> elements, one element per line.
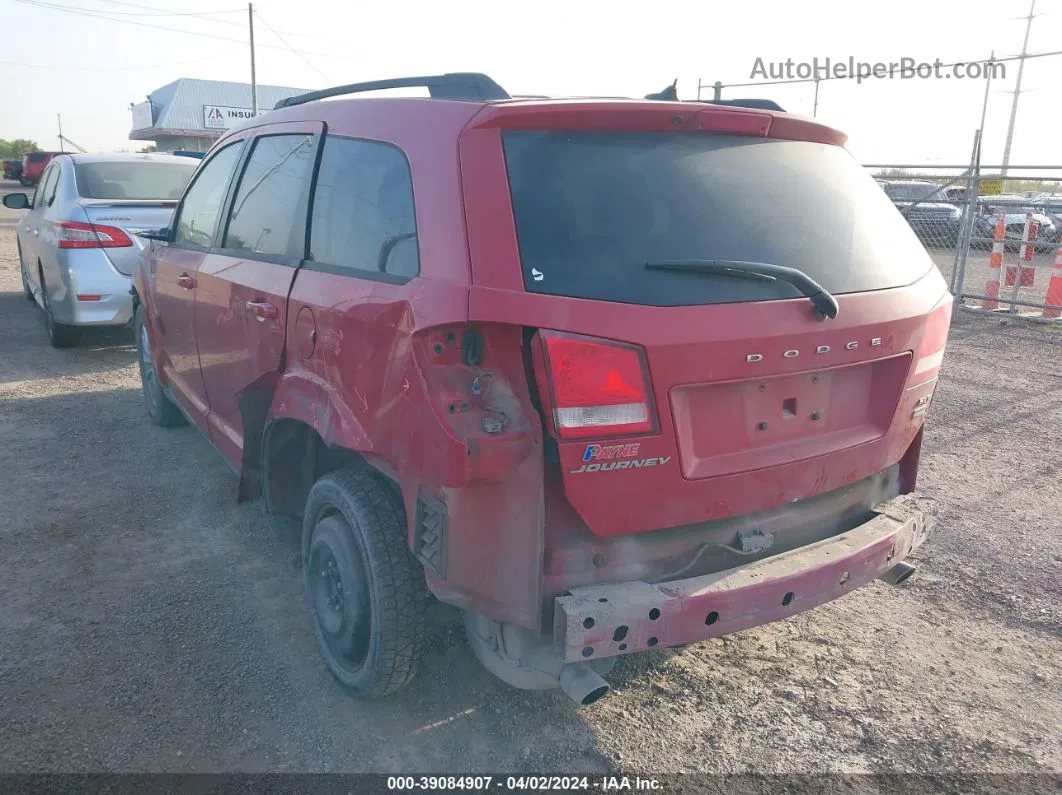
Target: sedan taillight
<point>75,234</point>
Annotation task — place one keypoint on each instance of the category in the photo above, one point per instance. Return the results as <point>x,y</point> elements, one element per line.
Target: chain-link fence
<point>998,242</point>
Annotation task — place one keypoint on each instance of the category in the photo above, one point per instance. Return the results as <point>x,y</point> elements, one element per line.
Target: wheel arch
<point>294,456</point>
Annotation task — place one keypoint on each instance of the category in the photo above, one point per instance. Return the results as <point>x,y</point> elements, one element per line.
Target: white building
<point>191,114</point>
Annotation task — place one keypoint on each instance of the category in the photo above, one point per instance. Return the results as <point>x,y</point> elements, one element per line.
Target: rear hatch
<point>131,195</point>
<point>682,394</point>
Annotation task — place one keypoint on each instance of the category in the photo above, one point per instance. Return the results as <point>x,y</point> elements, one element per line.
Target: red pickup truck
<point>33,166</point>
<point>606,375</point>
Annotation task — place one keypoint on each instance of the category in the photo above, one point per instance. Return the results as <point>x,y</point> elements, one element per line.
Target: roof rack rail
<point>455,85</point>
<point>759,104</point>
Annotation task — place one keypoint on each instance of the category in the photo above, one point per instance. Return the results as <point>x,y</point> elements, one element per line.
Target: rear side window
<point>273,183</point>
<point>363,213</point>
<point>201,206</point>
<point>36,157</point>
<point>592,209</point>
<point>138,180</point>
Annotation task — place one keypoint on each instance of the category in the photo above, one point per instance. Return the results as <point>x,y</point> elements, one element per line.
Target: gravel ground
<point>147,623</point>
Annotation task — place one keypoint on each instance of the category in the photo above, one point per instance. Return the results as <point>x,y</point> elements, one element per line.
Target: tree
<point>14,150</point>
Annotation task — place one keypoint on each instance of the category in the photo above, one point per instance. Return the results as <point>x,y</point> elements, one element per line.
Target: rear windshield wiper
<point>825,304</point>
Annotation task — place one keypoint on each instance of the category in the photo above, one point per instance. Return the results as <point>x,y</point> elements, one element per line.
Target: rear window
<point>592,209</point>
<point>36,157</point>
<point>138,180</point>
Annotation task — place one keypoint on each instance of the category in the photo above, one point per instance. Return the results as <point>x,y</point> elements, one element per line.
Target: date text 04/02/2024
<point>522,783</point>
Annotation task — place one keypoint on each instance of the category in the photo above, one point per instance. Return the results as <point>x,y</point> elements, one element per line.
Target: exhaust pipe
<point>582,684</point>
<point>898,573</point>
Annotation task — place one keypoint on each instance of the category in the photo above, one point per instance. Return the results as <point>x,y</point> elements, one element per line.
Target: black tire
<point>60,335</point>
<point>366,591</point>
<point>160,409</point>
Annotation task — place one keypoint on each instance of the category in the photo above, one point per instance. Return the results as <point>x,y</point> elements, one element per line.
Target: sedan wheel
<point>60,335</point>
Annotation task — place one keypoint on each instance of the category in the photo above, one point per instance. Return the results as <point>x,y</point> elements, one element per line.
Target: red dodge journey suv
<point>606,375</point>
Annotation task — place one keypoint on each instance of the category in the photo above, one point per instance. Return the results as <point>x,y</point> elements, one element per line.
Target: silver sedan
<point>79,243</point>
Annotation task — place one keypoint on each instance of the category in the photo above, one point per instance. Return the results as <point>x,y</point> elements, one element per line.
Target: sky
<point>89,69</point>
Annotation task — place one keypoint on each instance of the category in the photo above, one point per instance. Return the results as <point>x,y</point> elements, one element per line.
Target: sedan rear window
<point>592,209</point>
<point>139,180</point>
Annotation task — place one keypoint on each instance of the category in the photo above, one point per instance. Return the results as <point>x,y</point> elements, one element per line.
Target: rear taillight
<point>930,351</point>
<point>599,388</point>
<point>75,234</point>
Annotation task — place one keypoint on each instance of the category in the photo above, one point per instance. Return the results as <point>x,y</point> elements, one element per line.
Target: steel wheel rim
<point>148,377</point>
<point>340,602</point>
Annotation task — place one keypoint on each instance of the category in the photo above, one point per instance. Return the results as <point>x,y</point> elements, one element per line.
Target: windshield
<point>915,192</point>
<point>592,209</point>
<point>139,180</point>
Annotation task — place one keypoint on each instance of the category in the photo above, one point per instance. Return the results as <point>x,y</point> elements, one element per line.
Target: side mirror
<point>162,235</point>
<point>16,201</point>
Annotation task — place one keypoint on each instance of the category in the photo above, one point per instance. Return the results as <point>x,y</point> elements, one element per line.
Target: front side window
<point>202,203</point>
<point>263,213</point>
<point>363,212</point>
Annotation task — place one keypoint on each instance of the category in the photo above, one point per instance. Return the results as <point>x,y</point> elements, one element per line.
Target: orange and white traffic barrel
<point>995,265</point>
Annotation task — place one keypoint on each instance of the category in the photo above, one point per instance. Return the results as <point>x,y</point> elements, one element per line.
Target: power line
<point>281,38</point>
<point>81,67</point>
<point>104,16</point>
<point>162,12</point>
<point>229,22</point>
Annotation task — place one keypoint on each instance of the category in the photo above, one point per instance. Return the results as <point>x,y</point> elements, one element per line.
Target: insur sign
<point>220,117</point>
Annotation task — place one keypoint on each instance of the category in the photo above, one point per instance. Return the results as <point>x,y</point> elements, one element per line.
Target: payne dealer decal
<point>608,453</point>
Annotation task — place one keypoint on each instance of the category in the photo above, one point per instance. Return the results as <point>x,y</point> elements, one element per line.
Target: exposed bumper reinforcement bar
<point>607,620</point>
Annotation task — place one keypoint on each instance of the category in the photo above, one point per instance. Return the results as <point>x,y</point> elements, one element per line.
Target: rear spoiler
<point>758,104</point>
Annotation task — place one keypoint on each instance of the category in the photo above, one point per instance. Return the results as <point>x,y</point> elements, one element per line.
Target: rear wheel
<point>365,590</point>
<point>161,410</point>
<point>60,335</point>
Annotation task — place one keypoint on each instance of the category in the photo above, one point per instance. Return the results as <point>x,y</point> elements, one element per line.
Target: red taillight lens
<point>74,234</point>
<point>930,352</point>
<point>600,388</point>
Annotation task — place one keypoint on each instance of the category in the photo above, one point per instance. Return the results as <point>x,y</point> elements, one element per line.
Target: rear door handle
<point>185,281</point>
<point>263,310</point>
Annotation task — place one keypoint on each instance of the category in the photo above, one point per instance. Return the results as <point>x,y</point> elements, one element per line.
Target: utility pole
<point>254,82</point>
<point>60,118</point>
<point>815,110</point>
<point>1017,89</point>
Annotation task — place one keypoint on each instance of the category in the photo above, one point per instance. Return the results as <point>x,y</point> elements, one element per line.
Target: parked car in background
<point>33,166</point>
<point>957,194</point>
<point>927,209</point>
<point>12,169</point>
<point>569,384</point>
<point>1017,210</point>
<point>78,243</point>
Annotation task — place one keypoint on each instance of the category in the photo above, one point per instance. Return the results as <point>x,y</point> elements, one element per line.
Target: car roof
<point>125,157</point>
<point>459,98</point>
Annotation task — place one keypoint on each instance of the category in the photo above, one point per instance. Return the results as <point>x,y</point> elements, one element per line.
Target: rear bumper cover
<point>607,620</point>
